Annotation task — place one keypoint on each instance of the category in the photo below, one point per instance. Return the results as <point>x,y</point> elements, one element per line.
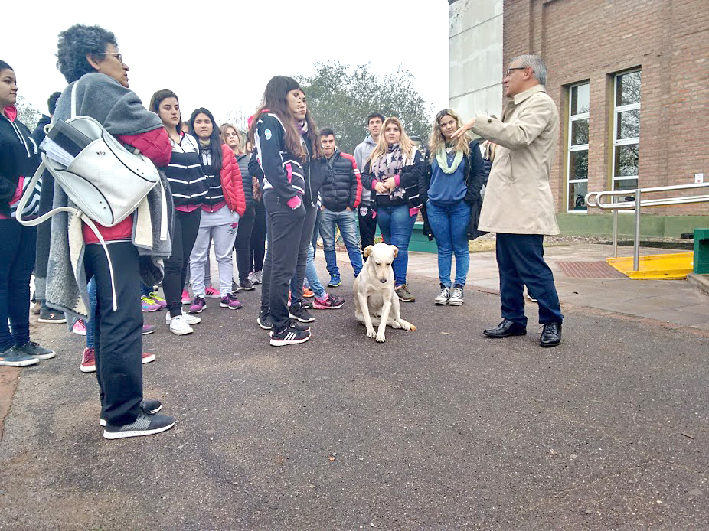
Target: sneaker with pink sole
<point>148,304</point>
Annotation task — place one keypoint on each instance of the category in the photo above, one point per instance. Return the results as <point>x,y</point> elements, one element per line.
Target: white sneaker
<point>443,296</point>
<point>456,298</point>
<point>189,318</point>
<point>179,327</point>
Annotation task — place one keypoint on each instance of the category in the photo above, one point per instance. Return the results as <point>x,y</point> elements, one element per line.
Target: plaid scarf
<point>389,165</point>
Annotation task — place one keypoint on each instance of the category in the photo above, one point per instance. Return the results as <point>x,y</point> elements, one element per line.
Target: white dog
<point>376,304</point>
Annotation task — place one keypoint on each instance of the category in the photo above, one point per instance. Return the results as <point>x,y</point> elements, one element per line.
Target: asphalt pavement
<point>435,429</point>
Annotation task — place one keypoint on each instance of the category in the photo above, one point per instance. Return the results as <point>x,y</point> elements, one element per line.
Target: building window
<point>577,163</point>
<point>626,130</point>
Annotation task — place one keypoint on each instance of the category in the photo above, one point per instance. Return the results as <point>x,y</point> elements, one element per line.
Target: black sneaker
<point>36,351</point>
<point>288,336</point>
<point>299,326</point>
<point>246,285</point>
<point>264,320</point>
<point>47,315</point>
<point>301,314</point>
<point>143,425</point>
<point>149,407</point>
<point>13,358</point>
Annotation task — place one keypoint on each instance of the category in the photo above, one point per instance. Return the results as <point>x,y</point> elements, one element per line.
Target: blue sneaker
<point>334,282</point>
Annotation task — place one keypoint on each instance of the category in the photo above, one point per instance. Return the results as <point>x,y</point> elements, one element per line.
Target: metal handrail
<point>595,199</point>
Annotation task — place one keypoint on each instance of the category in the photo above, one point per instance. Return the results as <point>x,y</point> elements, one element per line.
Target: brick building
<point>631,80</point>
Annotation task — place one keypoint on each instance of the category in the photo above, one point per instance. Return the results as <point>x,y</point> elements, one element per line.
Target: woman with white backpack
<point>115,256</point>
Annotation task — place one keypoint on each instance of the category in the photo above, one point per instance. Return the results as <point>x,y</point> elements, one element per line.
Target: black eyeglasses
<point>510,70</point>
<point>116,55</point>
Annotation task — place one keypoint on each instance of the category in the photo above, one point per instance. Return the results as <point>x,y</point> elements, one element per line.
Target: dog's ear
<point>396,250</point>
<point>367,251</point>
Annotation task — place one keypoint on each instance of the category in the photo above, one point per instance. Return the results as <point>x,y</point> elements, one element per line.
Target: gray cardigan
<point>121,112</point>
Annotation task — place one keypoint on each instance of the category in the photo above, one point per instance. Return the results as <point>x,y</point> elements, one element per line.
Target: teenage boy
<point>341,192</point>
<point>367,222</point>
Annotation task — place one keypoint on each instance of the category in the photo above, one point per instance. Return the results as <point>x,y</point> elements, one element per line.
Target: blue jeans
<point>347,221</point>
<point>396,226</point>
<point>91,320</point>
<point>311,273</point>
<point>520,260</point>
<point>449,224</point>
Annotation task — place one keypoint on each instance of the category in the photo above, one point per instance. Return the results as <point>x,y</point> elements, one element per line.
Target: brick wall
<point>592,39</point>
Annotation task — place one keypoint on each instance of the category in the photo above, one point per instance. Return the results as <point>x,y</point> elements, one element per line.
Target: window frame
<point>617,109</point>
<point>571,148</point>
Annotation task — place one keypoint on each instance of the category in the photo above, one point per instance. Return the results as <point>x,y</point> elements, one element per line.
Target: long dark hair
<point>275,100</point>
<point>215,141</point>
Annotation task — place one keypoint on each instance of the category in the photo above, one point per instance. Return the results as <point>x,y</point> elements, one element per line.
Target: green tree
<point>341,97</point>
<point>26,113</point>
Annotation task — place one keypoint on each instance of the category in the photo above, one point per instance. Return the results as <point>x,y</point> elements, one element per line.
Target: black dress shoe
<point>505,329</point>
<point>551,335</point>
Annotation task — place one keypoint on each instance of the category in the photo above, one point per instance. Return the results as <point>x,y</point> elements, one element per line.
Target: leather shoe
<point>551,335</point>
<point>505,329</point>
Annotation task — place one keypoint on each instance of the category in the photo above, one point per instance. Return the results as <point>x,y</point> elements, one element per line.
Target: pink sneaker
<point>198,305</point>
<point>148,329</point>
<point>230,301</point>
<point>149,305</point>
<point>79,327</point>
<point>329,302</point>
<point>147,358</point>
<point>212,293</point>
<point>88,361</point>
<point>186,297</point>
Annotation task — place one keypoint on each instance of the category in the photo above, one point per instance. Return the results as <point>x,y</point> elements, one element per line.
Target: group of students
<point>294,177</point>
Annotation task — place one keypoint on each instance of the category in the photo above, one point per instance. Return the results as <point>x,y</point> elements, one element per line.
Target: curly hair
<point>75,44</point>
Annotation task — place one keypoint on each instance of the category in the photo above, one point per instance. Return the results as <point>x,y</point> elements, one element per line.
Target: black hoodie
<point>19,157</point>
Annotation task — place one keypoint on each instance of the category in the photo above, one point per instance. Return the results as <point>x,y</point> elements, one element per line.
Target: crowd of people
<point>263,196</point>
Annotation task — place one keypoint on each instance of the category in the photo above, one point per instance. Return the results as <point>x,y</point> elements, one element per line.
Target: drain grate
<point>589,270</point>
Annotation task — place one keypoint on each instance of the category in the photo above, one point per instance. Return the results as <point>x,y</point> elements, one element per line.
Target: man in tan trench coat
<point>518,204</point>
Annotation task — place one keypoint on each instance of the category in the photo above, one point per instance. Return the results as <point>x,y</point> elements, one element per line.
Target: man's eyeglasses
<point>116,55</point>
<point>510,70</point>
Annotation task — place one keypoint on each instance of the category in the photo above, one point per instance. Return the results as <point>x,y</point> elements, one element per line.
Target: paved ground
<point>435,429</point>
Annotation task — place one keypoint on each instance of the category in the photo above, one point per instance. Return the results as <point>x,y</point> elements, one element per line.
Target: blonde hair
<point>224,130</point>
<point>407,146</point>
<point>462,143</point>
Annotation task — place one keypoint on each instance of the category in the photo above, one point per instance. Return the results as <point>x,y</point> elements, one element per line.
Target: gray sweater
<point>121,112</point>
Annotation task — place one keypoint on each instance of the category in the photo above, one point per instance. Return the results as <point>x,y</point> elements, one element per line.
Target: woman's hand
<point>466,127</point>
<point>381,188</point>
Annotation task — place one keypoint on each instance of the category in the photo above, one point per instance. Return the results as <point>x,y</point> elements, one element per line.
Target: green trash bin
<point>701,251</point>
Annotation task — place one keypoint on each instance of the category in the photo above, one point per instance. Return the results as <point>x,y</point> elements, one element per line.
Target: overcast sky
<point>220,55</point>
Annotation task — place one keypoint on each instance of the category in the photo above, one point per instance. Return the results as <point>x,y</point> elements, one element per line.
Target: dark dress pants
<point>520,260</point>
